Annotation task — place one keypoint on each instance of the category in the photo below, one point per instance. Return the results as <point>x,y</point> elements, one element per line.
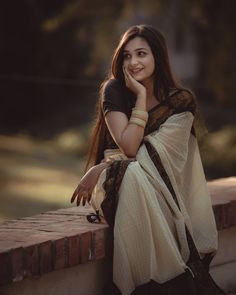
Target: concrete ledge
<point>227,242</point>
<point>55,240</point>
<point>224,275</point>
<point>84,279</point>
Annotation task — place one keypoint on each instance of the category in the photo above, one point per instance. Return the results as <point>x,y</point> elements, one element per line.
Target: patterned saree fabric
<point>161,193</point>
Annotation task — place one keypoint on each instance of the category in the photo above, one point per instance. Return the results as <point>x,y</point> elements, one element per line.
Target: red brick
<point>60,253</point>
<point>31,261</point>
<point>225,215</point>
<point>5,269</point>
<point>45,257</point>
<point>17,264</point>
<point>98,244</point>
<point>231,214</point>
<point>85,247</point>
<point>73,244</point>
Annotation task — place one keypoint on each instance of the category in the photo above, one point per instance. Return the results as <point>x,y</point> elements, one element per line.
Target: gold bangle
<point>138,122</point>
<point>140,113</point>
<point>139,117</point>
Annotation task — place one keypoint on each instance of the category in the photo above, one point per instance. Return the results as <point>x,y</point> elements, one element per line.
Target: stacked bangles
<point>139,117</point>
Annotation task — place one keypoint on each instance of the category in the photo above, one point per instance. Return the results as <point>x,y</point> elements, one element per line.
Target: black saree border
<point>114,177</point>
<point>201,279</point>
<point>155,158</point>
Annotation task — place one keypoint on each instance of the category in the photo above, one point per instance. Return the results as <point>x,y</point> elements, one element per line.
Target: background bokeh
<point>53,56</point>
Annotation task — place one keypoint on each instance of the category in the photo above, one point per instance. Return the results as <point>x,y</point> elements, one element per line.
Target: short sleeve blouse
<point>117,98</point>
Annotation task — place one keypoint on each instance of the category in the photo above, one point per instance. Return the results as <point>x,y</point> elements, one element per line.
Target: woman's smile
<point>135,71</point>
<point>138,59</point>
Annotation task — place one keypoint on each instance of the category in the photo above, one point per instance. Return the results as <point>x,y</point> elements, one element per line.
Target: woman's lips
<point>136,71</point>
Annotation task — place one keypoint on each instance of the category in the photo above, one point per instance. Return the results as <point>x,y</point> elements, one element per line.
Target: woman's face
<point>138,59</point>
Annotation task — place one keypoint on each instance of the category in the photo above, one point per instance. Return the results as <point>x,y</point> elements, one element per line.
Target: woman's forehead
<point>136,43</point>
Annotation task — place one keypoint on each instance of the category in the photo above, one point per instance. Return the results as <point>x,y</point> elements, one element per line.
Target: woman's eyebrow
<point>136,49</point>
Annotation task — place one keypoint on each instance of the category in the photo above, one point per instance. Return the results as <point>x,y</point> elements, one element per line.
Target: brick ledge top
<point>223,195</point>
<point>49,241</point>
<point>53,240</point>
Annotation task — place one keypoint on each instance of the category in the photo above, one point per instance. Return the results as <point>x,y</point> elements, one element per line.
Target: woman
<point>145,174</point>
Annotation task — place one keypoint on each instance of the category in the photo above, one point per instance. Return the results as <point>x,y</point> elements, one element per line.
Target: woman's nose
<point>133,61</point>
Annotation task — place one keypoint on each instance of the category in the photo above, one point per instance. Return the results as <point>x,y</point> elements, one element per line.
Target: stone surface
<point>226,252</point>
<point>83,279</point>
<point>225,276</point>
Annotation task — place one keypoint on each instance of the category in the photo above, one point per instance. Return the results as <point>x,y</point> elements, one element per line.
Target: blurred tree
<point>51,50</point>
<point>215,24</point>
<point>19,36</point>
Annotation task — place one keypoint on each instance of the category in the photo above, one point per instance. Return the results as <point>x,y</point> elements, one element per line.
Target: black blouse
<point>117,97</point>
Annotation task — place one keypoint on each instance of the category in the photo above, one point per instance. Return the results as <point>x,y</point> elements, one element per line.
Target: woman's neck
<point>148,84</point>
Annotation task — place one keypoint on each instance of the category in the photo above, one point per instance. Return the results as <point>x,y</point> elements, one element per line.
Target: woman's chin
<point>137,78</point>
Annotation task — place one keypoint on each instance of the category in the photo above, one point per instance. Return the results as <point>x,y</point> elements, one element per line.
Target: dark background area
<point>54,55</point>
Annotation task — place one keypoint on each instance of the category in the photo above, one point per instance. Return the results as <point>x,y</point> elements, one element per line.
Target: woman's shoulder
<point>112,90</point>
<point>113,97</point>
<point>182,100</point>
<point>112,85</point>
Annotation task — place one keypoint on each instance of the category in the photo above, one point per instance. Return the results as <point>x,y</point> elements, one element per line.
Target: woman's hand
<point>132,84</point>
<point>87,183</point>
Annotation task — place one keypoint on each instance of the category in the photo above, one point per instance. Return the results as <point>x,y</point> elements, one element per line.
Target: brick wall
<point>57,240</point>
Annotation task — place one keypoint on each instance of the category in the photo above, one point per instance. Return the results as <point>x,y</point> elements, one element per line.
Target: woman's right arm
<point>128,136</point>
<point>87,183</point>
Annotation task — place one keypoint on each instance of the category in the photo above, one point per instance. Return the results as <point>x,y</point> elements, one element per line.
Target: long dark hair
<point>162,77</point>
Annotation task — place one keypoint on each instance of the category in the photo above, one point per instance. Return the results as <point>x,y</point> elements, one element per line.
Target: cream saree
<point>162,201</point>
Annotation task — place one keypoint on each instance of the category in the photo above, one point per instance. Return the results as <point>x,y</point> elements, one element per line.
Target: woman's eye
<point>126,56</point>
<point>141,53</point>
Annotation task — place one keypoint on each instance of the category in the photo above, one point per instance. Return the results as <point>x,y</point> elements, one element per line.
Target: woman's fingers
<point>129,80</point>
<point>81,195</point>
<point>77,195</point>
<point>78,200</point>
<point>125,74</point>
<point>86,197</point>
<point>130,77</point>
<point>131,83</point>
<point>74,195</point>
<point>86,185</point>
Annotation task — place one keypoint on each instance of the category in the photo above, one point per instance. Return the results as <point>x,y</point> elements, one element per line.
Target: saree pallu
<point>160,210</point>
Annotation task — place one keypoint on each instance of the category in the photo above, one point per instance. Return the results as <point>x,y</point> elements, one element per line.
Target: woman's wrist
<point>142,94</point>
<point>141,101</point>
